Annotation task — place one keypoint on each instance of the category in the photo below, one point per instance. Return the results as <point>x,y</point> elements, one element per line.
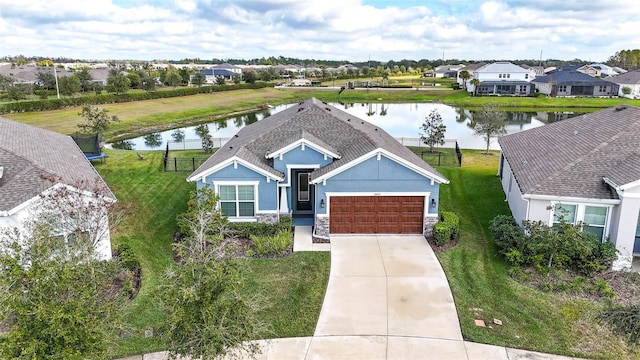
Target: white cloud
<point>329,29</point>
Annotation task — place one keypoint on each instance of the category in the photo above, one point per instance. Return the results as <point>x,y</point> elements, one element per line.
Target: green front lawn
<point>293,286</point>
<point>482,288</point>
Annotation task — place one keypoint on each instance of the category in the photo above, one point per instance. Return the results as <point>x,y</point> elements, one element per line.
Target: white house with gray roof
<point>585,168</point>
<point>502,78</point>
<point>630,80</point>
<point>317,163</point>
<point>34,161</point>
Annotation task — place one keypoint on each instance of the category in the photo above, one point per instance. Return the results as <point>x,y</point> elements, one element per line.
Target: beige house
<point>586,169</point>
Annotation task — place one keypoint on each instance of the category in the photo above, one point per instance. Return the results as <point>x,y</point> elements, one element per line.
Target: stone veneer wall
<point>267,218</point>
<point>429,221</point>
<point>322,226</point>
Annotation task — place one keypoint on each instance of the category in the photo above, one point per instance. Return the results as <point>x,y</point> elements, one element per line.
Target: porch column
<point>626,233</point>
<point>284,201</point>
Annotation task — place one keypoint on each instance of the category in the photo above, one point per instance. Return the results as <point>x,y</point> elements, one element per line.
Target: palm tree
<point>476,83</point>
<point>464,75</point>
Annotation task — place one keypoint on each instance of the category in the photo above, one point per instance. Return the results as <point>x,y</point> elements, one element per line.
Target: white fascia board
<point>230,161</point>
<point>304,142</point>
<point>387,154</point>
<point>568,199</point>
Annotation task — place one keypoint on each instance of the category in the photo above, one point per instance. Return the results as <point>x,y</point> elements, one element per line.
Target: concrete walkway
<point>387,298</point>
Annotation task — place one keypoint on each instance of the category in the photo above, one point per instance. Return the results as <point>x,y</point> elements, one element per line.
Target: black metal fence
<point>187,164</point>
<point>443,157</point>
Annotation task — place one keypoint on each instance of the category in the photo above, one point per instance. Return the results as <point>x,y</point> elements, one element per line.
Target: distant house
<point>447,71</point>
<point>586,169</point>
<point>211,75</point>
<point>317,163</point>
<point>300,82</point>
<point>563,82</point>
<point>228,67</point>
<point>630,80</point>
<point>470,69</point>
<point>599,70</point>
<point>502,78</point>
<point>34,161</point>
<point>537,70</point>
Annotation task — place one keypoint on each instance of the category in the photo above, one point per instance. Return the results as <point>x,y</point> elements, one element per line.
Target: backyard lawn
<point>293,286</point>
<point>482,288</point>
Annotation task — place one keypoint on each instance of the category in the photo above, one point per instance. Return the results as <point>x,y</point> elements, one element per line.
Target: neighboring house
<point>563,82</point>
<point>228,67</point>
<point>300,82</point>
<point>630,80</point>
<point>211,75</point>
<point>502,78</point>
<point>537,70</point>
<point>585,168</point>
<point>599,70</point>
<point>34,161</point>
<point>317,163</point>
<point>470,69</point>
<point>447,71</point>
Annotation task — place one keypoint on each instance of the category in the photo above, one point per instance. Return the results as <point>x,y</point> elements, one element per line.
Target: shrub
<point>507,235</point>
<point>272,245</point>
<point>442,233</point>
<point>454,222</point>
<point>127,257</point>
<point>246,229</point>
<point>624,321</point>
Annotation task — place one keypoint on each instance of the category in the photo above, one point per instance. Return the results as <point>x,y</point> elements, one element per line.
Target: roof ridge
<point>585,155</point>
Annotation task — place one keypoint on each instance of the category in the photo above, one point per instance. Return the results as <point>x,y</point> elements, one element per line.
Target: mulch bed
<point>445,247</point>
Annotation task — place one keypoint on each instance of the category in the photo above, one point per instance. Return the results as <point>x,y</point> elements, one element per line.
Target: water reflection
<point>399,120</point>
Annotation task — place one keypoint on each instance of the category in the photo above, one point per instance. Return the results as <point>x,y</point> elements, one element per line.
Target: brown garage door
<point>376,214</point>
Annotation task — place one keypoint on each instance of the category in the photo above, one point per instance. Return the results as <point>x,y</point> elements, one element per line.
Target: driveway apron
<point>386,285</point>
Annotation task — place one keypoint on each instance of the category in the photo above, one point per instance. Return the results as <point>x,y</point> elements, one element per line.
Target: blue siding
<point>267,191</point>
<point>298,156</point>
<point>384,175</point>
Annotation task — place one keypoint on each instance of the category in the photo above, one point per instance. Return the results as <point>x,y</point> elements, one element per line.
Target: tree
<point>84,75</point>
<point>626,90</point>
<point>148,83</point>
<point>173,78</point>
<point>58,300</point>
<point>208,316</point>
<point>97,120</point>
<point>489,122</point>
<point>250,77</point>
<point>46,79</point>
<point>220,80</point>
<point>17,92</point>
<point>69,85</point>
<point>476,83</point>
<point>177,135</point>
<point>464,75</point>
<point>237,78</point>
<point>198,79</point>
<point>433,130</point>
<point>203,133</point>
<point>117,83</point>
<point>134,80</point>
<point>5,82</point>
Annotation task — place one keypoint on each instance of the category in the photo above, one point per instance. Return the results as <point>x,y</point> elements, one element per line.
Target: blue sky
<point>349,30</point>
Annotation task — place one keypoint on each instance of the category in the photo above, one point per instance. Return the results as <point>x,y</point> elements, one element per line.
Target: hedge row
<point>447,229</point>
<point>54,104</point>
<point>247,229</point>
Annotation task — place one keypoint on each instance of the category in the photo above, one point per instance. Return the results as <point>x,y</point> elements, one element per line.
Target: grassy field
<point>144,116</point>
<point>482,288</point>
<point>294,286</point>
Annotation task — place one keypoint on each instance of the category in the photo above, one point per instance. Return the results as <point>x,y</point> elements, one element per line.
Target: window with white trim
<point>592,218</point>
<point>237,200</point>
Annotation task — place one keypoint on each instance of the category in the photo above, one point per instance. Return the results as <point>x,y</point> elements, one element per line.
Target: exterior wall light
<point>433,203</point>
<point>322,203</point>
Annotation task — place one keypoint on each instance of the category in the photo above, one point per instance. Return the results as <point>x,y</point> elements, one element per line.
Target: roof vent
<point>300,109</point>
<point>620,108</point>
<point>236,135</point>
<point>230,147</point>
<point>575,132</point>
<point>324,102</point>
<point>376,129</point>
<point>348,119</point>
<point>328,109</point>
<point>362,122</point>
<point>525,162</point>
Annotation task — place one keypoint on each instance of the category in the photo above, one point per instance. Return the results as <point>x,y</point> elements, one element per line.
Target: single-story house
<point>313,161</point>
<point>34,161</point>
<point>211,75</point>
<point>573,83</point>
<point>586,168</point>
<point>629,80</point>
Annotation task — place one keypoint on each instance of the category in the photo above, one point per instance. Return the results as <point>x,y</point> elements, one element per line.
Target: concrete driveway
<point>385,285</point>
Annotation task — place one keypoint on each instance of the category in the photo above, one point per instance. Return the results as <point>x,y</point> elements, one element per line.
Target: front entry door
<point>303,192</point>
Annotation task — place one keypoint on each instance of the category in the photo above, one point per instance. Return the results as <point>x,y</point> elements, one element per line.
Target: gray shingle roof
<point>572,157</point>
<point>318,122</point>
<point>562,77</point>
<point>631,77</point>
<point>35,159</point>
